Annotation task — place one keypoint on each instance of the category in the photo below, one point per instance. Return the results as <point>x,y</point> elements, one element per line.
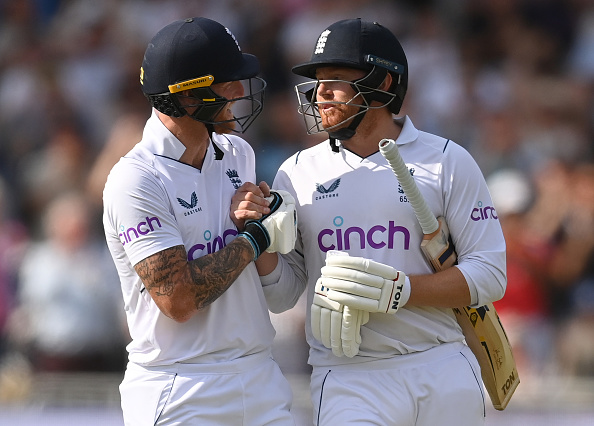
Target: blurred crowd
<point>510,80</point>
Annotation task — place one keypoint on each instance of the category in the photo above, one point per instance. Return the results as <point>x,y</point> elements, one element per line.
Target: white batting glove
<point>282,223</point>
<point>275,231</point>
<point>338,327</point>
<point>365,284</point>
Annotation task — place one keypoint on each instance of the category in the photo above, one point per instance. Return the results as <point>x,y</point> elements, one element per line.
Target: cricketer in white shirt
<point>353,204</point>
<point>153,202</point>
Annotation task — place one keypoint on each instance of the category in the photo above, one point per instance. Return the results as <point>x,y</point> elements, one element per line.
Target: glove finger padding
<point>336,326</point>
<point>352,320</point>
<point>281,222</point>
<point>362,264</point>
<point>354,282</point>
<point>326,323</point>
<point>335,333</point>
<point>316,320</point>
<point>365,284</point>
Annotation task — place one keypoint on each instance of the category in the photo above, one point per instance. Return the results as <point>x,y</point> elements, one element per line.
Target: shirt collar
<point>409,132</point>
<point>160,140</point>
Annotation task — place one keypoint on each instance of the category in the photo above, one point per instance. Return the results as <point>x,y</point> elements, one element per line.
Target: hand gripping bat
<point>481,326</point>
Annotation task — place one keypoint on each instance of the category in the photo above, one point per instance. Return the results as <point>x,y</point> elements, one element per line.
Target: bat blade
<point>482,327</point>
<point>486,338</point>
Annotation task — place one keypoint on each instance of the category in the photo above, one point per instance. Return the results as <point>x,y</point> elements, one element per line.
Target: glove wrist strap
<point>252,243</point>
<point>257,235</point>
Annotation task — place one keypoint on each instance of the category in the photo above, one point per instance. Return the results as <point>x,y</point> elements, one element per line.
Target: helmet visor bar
<point>309,106</point>
<point>245,109</point>
<point>204,81</point>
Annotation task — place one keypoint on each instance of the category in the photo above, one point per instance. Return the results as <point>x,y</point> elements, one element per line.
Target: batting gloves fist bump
<point>275,231</point>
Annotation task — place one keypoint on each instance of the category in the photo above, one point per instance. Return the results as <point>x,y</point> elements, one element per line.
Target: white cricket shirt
<point>153,202</point>
<point>354,204</point>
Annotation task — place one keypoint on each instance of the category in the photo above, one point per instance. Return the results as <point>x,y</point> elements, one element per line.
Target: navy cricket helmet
<point>193,54</point>
<point>363,45</point>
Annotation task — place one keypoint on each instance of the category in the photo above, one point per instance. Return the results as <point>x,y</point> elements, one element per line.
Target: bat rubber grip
<point>426,218</point>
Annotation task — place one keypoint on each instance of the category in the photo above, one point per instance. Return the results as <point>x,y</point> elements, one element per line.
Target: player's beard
<point>340,115</point>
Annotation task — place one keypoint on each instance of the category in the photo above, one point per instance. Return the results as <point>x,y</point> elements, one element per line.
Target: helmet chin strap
<point>346,132</point>
<point>210,129</point>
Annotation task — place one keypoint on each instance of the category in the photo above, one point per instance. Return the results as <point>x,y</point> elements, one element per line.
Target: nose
<point>324,91</point>
<point>236,90</point>
<point>323,87</point>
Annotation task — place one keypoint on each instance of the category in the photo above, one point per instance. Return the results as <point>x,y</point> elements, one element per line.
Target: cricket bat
<point>481,326</point>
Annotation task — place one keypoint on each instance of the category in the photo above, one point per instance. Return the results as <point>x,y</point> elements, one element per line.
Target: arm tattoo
<point>169,273</point>
<point>160,272</point>
<point>213,275</point>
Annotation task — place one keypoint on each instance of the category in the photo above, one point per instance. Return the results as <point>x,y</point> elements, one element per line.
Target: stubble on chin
<point>224,115</point>
<point>337,116</point>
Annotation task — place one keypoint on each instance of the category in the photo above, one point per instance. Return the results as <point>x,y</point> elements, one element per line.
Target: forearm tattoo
<point>213,275</point>
<point>204,279</point>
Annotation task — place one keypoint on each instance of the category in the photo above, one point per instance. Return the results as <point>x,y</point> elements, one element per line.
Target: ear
<point>387,83</point>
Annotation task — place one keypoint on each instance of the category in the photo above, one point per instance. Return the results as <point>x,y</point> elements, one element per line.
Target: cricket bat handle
<point>426,218</point>
<point>481,326</point>
<point>436,246</point>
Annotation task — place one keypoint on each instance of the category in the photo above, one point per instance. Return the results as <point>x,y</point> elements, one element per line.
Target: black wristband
<point>255,232</point>
<point>257,235</point>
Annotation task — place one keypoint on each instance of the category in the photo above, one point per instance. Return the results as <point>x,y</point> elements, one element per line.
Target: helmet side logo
<point>322,42</point>
<point>204,81</point>
<point>233,37</point>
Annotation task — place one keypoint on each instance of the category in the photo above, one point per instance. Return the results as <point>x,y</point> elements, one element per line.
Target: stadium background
<point>510,80</point>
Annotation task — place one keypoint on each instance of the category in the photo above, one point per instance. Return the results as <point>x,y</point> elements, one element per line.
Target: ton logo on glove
<point>365,284</point>
<point>397,296</point>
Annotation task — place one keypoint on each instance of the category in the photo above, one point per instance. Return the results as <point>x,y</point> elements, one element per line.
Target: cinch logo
<point>143,228</point>
<point>327,192</point>
<point>483,213</point>
<point>322,42</point>
<point>377,236</point>
<point>211,244</point>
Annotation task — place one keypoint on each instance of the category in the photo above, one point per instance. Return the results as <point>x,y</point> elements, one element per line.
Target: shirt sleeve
<point>474,227</point>
<point>283,286</point>
<point>138,211</point>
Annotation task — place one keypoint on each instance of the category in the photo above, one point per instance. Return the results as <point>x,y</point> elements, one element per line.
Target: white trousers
<point>441,386</point>
<point>250,391</point>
